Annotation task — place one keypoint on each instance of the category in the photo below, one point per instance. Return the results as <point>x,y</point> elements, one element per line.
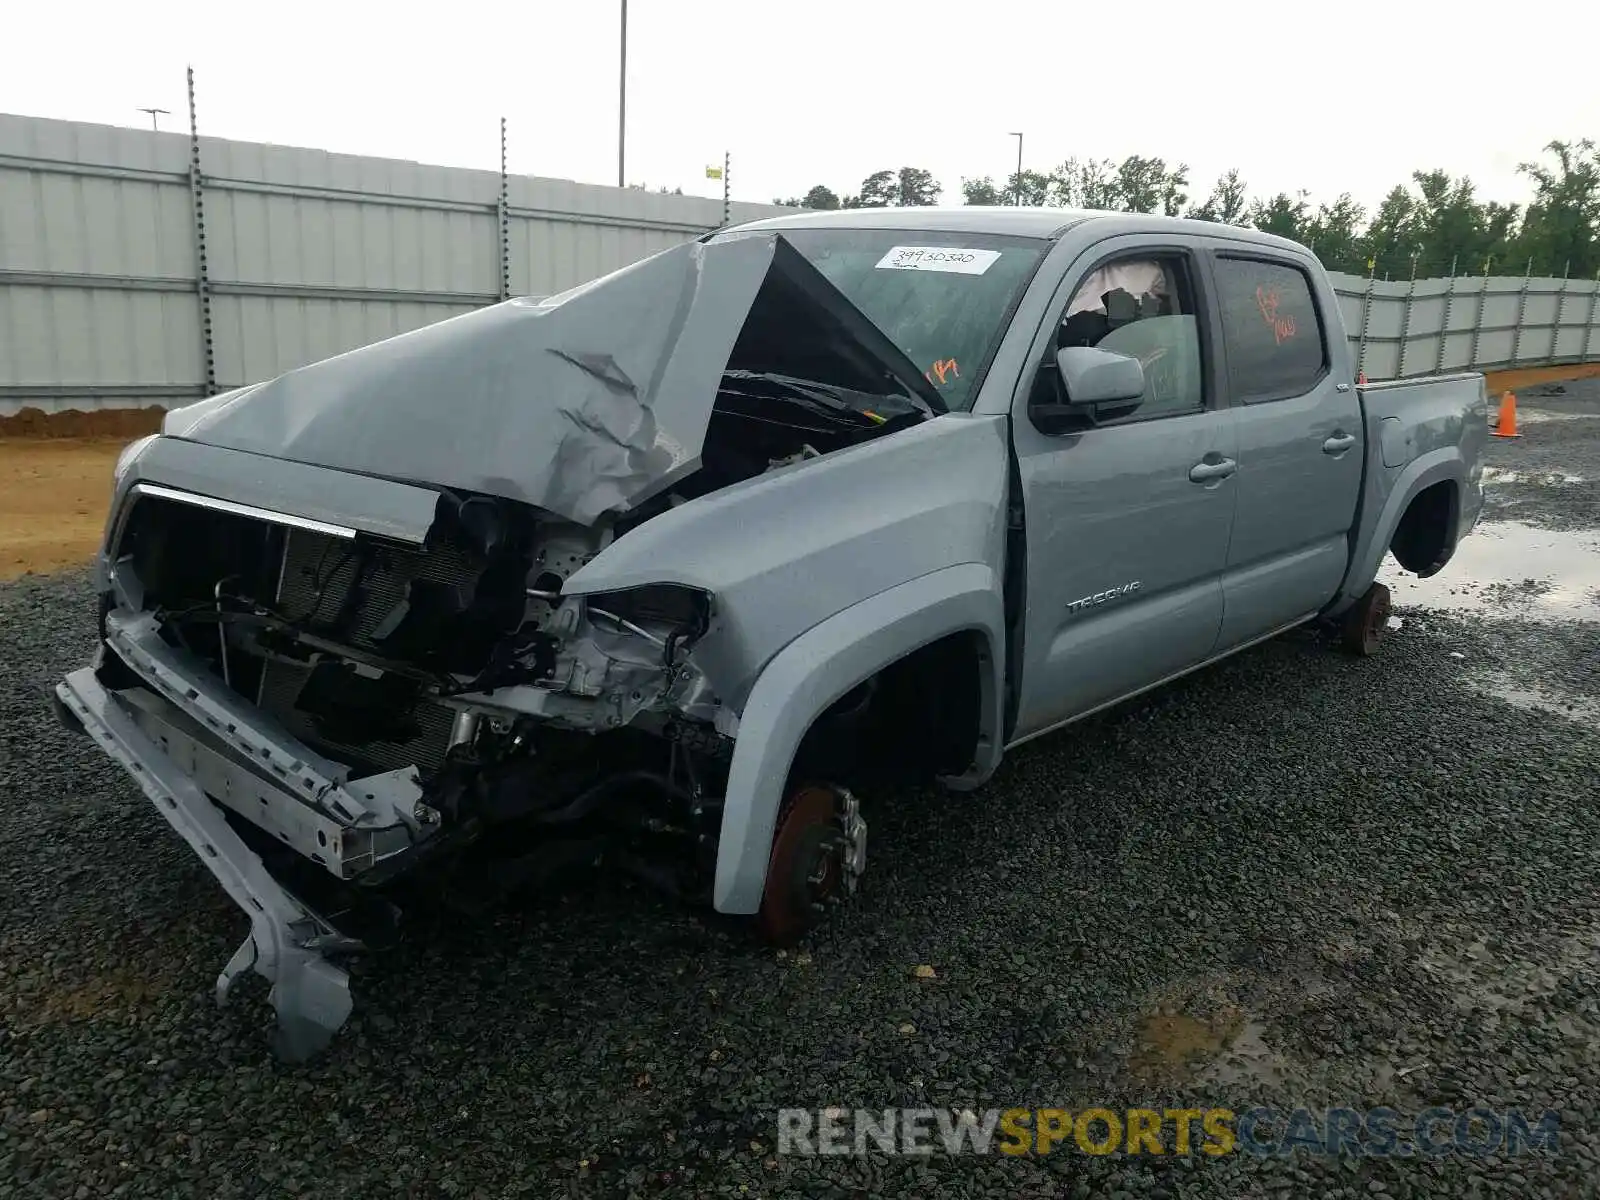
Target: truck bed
<point>1420,434</point>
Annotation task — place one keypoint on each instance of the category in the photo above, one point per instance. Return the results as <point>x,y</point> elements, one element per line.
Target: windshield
<point>942,298</point>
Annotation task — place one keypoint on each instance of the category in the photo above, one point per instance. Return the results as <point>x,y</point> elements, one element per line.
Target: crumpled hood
<point>585,402</point>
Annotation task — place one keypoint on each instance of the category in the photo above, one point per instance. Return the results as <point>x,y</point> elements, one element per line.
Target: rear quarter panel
<point>1419,432</point>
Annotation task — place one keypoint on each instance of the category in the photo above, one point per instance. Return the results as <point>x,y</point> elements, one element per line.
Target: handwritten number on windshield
<point>942,369</point>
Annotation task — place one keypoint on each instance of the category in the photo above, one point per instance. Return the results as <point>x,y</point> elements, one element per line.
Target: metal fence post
<point>1477,321</point>
<point>1522,308</point>
<point>1366,317</point>
<point>1405,319</point>
<point>505,219</point>
<point>1561,310</point>
<point>1444,326</point>
<point>727,207</point>
<point>202,277</point>
<point>1594,302</point>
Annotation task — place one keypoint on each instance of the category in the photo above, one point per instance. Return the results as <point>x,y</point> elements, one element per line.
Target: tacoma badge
<point>1125,589</point>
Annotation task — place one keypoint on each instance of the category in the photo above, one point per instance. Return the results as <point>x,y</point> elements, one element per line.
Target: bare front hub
<point>818,854</point>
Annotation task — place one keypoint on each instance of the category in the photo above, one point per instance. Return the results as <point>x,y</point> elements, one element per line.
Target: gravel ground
<point>1294,879</point>
<point>1552,472</point>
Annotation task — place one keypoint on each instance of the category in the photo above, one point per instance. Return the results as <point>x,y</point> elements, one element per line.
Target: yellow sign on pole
<point>713,172</point>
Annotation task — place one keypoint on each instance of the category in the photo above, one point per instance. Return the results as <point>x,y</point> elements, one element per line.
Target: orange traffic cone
<point>1507,427</point>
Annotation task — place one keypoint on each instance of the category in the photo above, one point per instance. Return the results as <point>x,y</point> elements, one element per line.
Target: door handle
<point>1339,443</point>
<point>1206,472</point>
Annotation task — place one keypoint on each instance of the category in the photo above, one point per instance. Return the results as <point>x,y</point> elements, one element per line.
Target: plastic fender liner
<point>818,668</point>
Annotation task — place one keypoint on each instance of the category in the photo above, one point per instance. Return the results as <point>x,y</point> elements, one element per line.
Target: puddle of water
<point>1501,985</point>
<point>1248,1059</point>
<point>1504,475</point>
<point>1535,698</point>
<point>1174,1043</point>
<point>1508,568</point>
<point>1222,1049</point>
<point>1535,417</point>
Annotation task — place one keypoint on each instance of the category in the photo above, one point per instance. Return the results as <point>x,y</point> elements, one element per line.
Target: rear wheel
<point>1366,622</point>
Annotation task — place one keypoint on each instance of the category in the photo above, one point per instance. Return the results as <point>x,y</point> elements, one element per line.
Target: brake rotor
<point>1367,622</point>
<point>804,870</point>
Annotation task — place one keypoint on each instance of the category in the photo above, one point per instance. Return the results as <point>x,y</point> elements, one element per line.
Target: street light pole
<point>622,102</point>
<point>1018,136</point>
<point>153,112</point>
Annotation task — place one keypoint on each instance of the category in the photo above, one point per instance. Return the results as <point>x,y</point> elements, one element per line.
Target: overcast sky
<point>1331,97</point>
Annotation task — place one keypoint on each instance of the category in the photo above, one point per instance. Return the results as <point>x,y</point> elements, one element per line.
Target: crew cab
<point>666,572</point>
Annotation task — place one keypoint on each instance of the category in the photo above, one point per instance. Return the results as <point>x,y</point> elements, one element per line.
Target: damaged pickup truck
<point>663,572</point>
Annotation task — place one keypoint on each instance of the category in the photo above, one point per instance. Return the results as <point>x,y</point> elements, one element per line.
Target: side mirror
<point>1094,376</point>
<point>1099,385</point>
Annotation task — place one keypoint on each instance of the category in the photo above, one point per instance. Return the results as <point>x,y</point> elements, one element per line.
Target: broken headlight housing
<point>670,615</point>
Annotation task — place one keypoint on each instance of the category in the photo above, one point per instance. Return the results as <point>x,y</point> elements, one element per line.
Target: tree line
<point>1433,224</point>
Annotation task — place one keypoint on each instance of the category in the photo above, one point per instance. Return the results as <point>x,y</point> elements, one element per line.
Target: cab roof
<point>1044,223</point>
<point>1023,222</point>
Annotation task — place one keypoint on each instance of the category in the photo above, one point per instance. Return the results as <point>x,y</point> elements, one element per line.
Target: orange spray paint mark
<point>1267,300</point>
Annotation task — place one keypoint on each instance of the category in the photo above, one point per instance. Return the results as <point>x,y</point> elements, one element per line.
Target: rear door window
<point>1271,329</point>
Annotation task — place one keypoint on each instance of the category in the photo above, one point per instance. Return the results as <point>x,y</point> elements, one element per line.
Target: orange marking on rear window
<point>1267,300</point>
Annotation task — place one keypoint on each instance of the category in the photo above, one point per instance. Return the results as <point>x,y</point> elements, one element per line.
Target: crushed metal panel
<point>297,770</point>
<point>231,782</point>
<point>582,403</point>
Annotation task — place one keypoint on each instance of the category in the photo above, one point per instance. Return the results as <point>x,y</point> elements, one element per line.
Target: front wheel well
<point>917,718</point>
<point>1425,538</point>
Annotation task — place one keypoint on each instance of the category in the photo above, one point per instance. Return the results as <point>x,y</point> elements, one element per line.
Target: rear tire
<point>1367,621</point>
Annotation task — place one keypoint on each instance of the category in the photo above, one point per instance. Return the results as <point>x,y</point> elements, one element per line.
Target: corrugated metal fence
<point>134,271</point>
<point>1484,322</point>
<point>152,268</point>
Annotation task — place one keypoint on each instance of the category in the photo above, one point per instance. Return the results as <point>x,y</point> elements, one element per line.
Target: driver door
<point>1127,520</point>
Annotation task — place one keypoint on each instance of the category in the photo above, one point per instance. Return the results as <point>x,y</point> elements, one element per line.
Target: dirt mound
<point>1514,380</point>
<point>76,423</point>
<point>53,497</point>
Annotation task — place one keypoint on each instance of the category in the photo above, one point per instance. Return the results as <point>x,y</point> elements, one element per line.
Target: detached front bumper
<point>287,940</point>
<point>195,748</point>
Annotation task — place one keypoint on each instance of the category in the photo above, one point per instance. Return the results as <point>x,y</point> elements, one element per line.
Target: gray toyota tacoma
<point>662,573</point>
